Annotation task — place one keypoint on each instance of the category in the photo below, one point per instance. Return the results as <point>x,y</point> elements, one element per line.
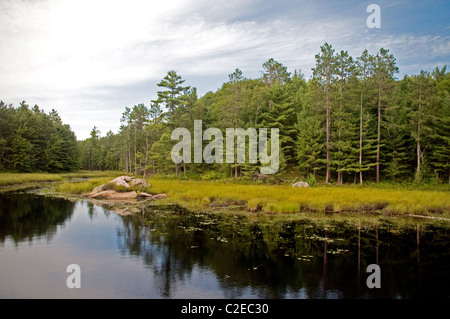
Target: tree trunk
<point>378,136</point>
<point>129,159</point>
<point>361,141</point>
<point>135,151</point>
<point>419,151</point>
<point>328,111</point>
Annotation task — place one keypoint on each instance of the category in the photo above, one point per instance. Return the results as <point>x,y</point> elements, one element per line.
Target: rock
<point>127,211</point>
<point>101,194</point>
<point>122,196</point>
<point>300,184</point>
<point>139,182</point>
<point>111,194</point>
<point>121,181</point>
<point>259,176</point>
<point>159,196</point>
<point>96,190</point>
<point>142,194</point>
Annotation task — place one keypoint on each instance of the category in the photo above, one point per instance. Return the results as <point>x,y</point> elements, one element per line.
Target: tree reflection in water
<point>300,259</point>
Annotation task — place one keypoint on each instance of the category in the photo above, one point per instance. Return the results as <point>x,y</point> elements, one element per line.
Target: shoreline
<point>257,200</point>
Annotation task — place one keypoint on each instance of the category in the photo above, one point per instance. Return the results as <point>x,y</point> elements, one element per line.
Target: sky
<point>89,59</point>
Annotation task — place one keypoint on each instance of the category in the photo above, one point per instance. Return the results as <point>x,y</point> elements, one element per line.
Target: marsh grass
<point>215,195</point>
<point>78,188</point>
<point>74,186</point>
<point>68,183</point>
<point>286,199</point>
<point>124,189</point>
<point>7,179</point>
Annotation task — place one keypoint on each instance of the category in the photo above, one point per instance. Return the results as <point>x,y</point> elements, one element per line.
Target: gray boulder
<point>138,182</point>
<point>300,184</point>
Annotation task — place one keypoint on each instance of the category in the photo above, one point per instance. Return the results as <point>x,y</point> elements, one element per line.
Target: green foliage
<point>352,122</point>
<point>31,140</point>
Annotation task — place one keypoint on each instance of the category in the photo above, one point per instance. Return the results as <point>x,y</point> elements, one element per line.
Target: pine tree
<point>440,157</point>
<point>173,96</point>
<point>384,69</point>
<point>343,157</point>
<point>309,143</point>
<point>281,115</point>
<point>421,115</point>
<point>325,74</point>
<point>397,139</point>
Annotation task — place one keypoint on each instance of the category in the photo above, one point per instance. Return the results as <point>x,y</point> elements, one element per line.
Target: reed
<point>286,199</point>
<point>7,179</point>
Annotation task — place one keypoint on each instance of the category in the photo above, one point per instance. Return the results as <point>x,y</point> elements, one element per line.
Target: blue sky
<point>91,59</point>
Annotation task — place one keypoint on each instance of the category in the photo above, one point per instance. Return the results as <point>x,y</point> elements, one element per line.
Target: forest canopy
<point>353,121</point>
<point>31,140</point>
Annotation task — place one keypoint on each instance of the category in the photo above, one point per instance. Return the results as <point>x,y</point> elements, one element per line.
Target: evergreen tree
<point>421,115</point>
<point>310,142</point>
<point>325,74</point>
<point>281,115</point>
<point>384,69</point>
<point>440,153</point>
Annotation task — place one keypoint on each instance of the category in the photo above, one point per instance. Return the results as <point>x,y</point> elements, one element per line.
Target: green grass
<point>286,199</point>
<point>7,179</point>
<point>212,195</point>
<point>70,183</point>
<point>79,188</point>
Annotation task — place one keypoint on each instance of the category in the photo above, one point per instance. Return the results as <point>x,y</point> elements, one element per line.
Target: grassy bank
<point>286,199</point>
<point>215,195</point>
<point>17,181</point>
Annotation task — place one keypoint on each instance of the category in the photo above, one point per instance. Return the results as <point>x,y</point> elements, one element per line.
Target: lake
<point>178,254</point>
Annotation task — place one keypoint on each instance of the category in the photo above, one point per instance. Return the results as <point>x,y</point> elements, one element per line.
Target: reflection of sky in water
<point>37,268</point>
<point>123,258</point>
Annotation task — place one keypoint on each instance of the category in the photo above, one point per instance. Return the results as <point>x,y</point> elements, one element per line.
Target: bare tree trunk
<point>126,162</point>
<point>361,141</point>
<point>135,151</point>
<point>129,158</point>
<point>378,137</point>
<point>327,176</point>
<point>419,150</point>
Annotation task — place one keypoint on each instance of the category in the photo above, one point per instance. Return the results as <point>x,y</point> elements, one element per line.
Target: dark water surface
<point>168,254</point>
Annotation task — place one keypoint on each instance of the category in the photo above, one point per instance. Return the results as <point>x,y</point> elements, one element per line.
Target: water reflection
<point>25,216</point>
<point>176,254</point>
<point>290,260</point>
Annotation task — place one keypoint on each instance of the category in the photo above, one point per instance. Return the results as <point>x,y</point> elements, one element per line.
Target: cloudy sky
<point>89,59</point>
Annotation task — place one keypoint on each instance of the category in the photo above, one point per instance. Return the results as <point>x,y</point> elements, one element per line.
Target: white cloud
<point>81,55</point>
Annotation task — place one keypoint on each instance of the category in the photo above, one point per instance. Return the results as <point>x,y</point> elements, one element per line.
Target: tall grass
<point>78,188</point>
<point>286,199</point>
<point>21,178</point>
<point>8,179</point>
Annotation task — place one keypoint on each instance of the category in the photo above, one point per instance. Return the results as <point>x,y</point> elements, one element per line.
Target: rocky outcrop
<point>300,184</point>
<point>107,191</point>
<point>112,194</point>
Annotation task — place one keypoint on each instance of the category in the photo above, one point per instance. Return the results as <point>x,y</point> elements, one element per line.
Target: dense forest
<point>353,121</point>
<point>31,140</point>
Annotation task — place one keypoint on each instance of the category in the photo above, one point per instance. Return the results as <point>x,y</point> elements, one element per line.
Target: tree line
<point>353,121</point>
<point>31,140</point>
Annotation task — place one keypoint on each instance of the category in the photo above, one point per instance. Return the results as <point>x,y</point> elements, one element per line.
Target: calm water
<point>168,254</point>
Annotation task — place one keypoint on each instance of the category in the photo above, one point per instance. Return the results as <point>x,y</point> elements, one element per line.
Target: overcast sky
<point>91,59</point>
